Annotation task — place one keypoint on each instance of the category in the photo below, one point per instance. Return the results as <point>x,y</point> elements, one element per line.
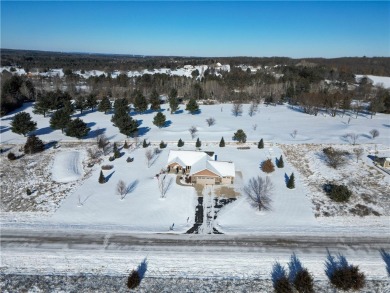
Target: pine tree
<point>42,104</point>
<point>102,179</point>
<point>60,119</point>
<point>291,182</point>
<point>145,144</point>
<point>280,163</point>
<point>159,120</point>
<point>180,143</point>
<point>117,154</point>
<point>198,143</point>
<point>126,145</point>
<point>77,128</point>
<point>261,144</point>
<point>127,125</point>
<point>80,103</point>
<point>22,123</point>
<point>91,102</point>
<point>163,145</point>
<point>154,100</point>
<point>240,136</point>
<point>140,103</point>
<point>33,145</point>
<point>222,143</point>
<point>68,107</point>
<point>104,105</point>
<point>192,106</point>
<point>173,104</point>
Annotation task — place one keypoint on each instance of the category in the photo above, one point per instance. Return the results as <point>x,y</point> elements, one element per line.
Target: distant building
<point>201,167</point>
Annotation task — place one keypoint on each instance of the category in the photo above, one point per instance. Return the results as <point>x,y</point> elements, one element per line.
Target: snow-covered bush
<point>300,276</point>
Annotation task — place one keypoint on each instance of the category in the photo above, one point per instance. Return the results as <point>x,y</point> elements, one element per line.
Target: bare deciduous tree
<point>164,183</point>
<point>351,138</point>
<point>149,156</point>
<point>103,143</point>
<point>253,109</point>
<point>94,154</point>
<point>259,191</point>
<point>121,189</point>
<point>374,133</point>
<point>358,154</point>
<point>193,130</point>
<point>237,109</point>
<point>210,121</point>
<point>334,158</point>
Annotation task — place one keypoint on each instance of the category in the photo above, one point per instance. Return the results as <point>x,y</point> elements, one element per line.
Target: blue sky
<point>292,29</point>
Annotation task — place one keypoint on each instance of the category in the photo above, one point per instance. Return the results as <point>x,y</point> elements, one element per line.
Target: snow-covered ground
<point>67,167</point>
<point>376,80</point>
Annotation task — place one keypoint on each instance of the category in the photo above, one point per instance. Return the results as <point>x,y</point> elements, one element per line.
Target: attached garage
<point>205,177</point>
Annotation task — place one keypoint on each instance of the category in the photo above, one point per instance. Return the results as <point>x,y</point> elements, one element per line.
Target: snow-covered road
<point>29,251</point>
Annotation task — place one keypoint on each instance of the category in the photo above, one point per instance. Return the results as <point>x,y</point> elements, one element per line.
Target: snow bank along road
<point>33,251</point>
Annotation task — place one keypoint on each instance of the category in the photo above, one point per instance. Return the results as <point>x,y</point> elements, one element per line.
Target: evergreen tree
<point>173,104</point>
<point>261,144</point>
<point>22,123</point>
<point>240,136</point>
<point>155,101</point>
<point>33,145</point>
<point>121,104</point>
<point>91,102</point>
<point>104,105</point>
<point>145,144</point>
<point>159,120</point>
<point>60,119</point>
<point>140,103</point>
<point>222,143</point>
<point>198,143</point>
<point>80,103</point>
<point>291,181</point>
<point>192,106</point>
<point>102,179</point>
<point>117,154</point>
<point>173,93</point>
<point>126,145</point>
<point>127,125</point>
<point>280,163</point>
<point>68,107</point>
<point>42,104</point>
<point>180,143</point>
<point>77,128</point>
<point>163,145</point>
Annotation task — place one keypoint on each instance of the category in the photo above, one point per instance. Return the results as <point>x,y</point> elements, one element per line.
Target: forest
<point>311,84</point>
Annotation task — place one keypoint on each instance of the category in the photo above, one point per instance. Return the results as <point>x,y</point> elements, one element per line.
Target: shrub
<point>198,143</point>
<point>28,191</point>
<point>343,275</point>
<point>163,145</point>
<point>303,282</point>
<point>102,179</point>
<point>334,158</point>
<point>267,166</point>
<point>133,280</point>
<point>107,167</point>
<point>11,156</point>
<point>33,145</point>
<point>112,158</point>
<point>145,144</point>
<point>338,193</point>
<point>126,145</point>
<point>280,280</point>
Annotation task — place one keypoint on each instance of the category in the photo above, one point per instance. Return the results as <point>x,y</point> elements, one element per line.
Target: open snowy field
<point>78,198</point>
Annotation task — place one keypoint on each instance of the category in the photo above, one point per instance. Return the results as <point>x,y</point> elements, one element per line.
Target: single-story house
<point>383,162</point>
<point>201,167</point>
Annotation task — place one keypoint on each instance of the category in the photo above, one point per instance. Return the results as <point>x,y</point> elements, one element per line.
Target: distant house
<point>383,162</point>
<point>201,167</point>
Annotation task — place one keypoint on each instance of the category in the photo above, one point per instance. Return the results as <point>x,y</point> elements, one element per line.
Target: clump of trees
<point>14,91</point>
<point>298,278</point>
<point>342,275</point>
